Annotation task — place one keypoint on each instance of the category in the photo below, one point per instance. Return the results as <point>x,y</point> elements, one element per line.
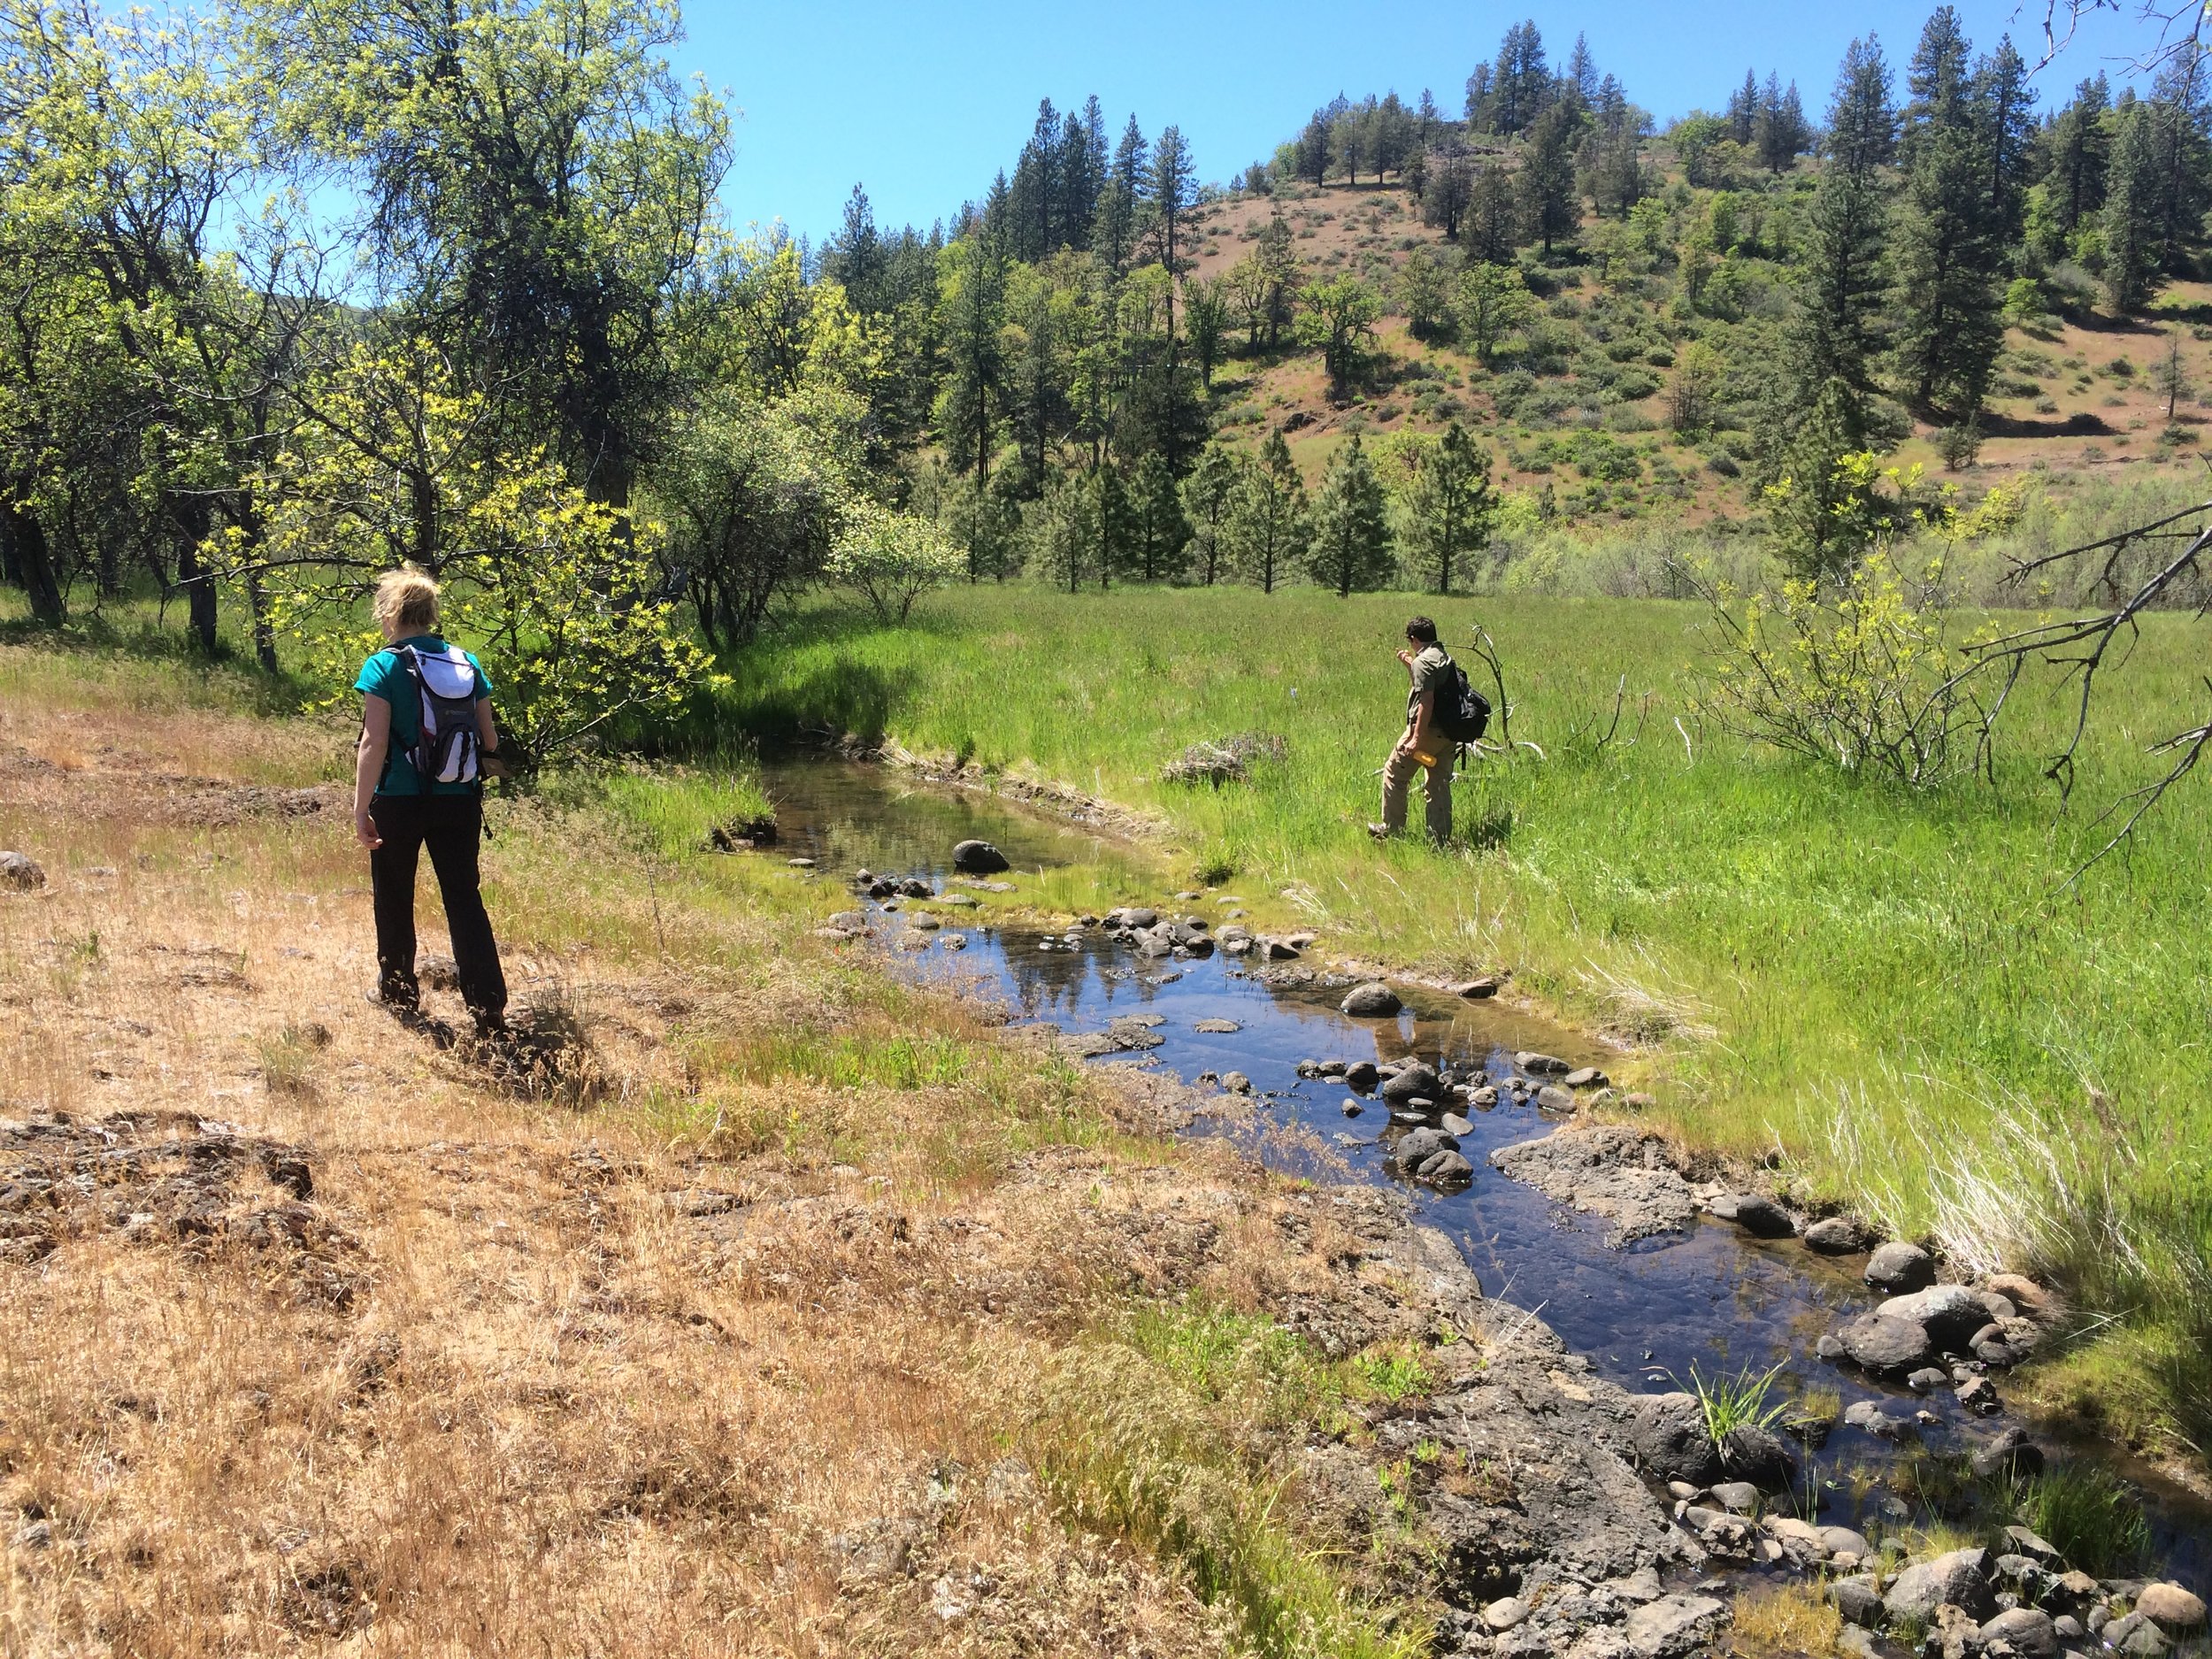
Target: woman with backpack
<point>426,723</point>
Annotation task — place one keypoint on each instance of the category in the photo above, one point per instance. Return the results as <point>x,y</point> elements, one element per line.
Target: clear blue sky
<point>923,101</point>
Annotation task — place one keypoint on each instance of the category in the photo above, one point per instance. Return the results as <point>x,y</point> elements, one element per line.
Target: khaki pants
<point>1398,774</point>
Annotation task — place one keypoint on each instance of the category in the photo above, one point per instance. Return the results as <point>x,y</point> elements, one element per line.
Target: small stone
<point>1552,1098</point>
<point>1858,1599</point>
<point>1864,1414</point>
<point>2010,1453</point>
<point>1236,1082</point>
<point>1412,1082</point>
<point>1540,1065</point>
<point>1217,1027</point>
<point>1673,1624</point>
<point>1371,1001</point>
<point>2136,1635</point>
<point>978,858</point>
<point>1585,1077</point>
<point>2177,1611</point>
<point>1927,1379</point>
<point>1352,1108</point>
<point>1484,1098</point>
<point>34,1535</point>
<point>1445,1169</point>
<point>2028,1631</point>
<point>1452,1124</point>
<point>1900,1267</point>
<point>20,873</point>
<point>1475,990</point>
<point>2068,1628</point>
<point>1636,1100</point>
<point>800,864</point>
<point>2024,1293</point>
<point>2025,1542</point>
<point>1681,1490</point>
<point>1362,1075</point>
<point>1757,1214</point>
<point>914,888</point>
<point>1842,1541</point>
<point>1738,1497</point>
<point>1978,1394</point>
<point>955,941</point>
<point>1506,1613</point>
<point>1838,1235</point>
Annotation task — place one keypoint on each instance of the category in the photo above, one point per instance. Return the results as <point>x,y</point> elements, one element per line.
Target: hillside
<point>2075,397</point>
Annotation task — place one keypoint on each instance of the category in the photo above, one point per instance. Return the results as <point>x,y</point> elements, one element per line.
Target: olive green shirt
<point>1428,669</point>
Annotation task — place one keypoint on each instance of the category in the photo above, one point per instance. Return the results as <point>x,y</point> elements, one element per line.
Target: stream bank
<point>1594,1247</point>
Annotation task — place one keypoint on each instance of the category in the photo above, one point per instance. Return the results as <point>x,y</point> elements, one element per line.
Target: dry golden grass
<point>1792,1621</point>
<point>314,1335</point>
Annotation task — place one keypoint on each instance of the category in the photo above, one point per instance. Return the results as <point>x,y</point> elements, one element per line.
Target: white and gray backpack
<point>445,684</point>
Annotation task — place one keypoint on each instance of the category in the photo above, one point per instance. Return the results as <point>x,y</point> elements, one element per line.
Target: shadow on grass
<point>280,693</point>
<point>838,703</point>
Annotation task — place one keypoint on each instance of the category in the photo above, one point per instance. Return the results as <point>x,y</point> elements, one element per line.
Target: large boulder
<point>2173,1610</point>
<point>1888,1348</point>
<point>1961,1578</point>
<point>1898,1267</point>
<point>1371,1001</point>
<point>1667,1432</point>
<point>1950,1314</point>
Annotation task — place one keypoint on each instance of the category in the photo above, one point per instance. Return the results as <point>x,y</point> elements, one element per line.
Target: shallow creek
<point>1712,1298</point>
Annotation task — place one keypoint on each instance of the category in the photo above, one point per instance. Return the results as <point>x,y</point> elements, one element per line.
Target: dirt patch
<point>95,791</point>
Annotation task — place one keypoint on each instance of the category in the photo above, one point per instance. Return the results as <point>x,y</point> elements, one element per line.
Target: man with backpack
<point>426,737</point>
<point>1442,711</point>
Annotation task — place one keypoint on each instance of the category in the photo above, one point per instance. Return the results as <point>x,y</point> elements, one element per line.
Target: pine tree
<point>1834,333</point>
<point>856,259</point>
<point>1548,206</point>
<point>1481,108</point>
<point>2004,106</point>
<point>1351,527</point>
<point>1449,508</point>
<point>1159,533</point>
<point>1942,90</point>
<point>1490,230</point>
<point>1280,278</point>
<point>1423,290</point>
<point>1743,108</point>
<point>1523,80</point>
<point>1171,177</point>
<point>1947,255</point>
<point>2130,220</point>
<point>970,405</point>
<point>2177,106</point>
<point>1111,523</point>
<point>1118,200</point>
<point>1269,530</point>
<point>1581,79</point>
<point>2080,148</point>
<point>1209,505</point>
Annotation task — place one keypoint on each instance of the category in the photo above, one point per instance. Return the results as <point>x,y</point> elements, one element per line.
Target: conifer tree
<point>1209,505</point>
<point>2004,107</point>
<point>2130,220</point>
<point>1351,527</point>
<point>2080,148</point>
<point>1159,534</point>
<point>1948,327</point>
<point>1449,508</point>
<point>1113,526</point>
<point>1490,228</point>
<point>1548,205</point>
<point>1171,176</point>
<point>1269,529</point>
<point>1834,334</point>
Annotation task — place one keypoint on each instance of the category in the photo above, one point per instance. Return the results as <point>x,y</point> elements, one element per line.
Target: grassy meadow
<point>1900,994</point>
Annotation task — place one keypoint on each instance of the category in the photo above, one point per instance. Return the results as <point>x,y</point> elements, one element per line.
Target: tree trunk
<point>192,518</point>
<point>25,541</point>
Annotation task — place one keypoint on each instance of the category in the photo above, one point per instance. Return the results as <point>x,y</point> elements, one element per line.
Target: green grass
<point>1901,991</point>
<point>1741,1401</point>
<point>2089,1517</point>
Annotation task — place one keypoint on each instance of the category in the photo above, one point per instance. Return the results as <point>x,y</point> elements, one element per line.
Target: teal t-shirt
<point>388,675</point>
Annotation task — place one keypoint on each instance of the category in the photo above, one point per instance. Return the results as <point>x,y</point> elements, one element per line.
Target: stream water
<point>1713,1298</point>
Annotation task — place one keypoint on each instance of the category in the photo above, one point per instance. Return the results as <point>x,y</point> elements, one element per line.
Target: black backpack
<point>1463,713</point>
<point>445,688</point>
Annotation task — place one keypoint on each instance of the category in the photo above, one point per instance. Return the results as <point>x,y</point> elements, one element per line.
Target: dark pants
<point>450,825</point>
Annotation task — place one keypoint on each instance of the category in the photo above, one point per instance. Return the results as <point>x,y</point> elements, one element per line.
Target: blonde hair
<point>407,601</point>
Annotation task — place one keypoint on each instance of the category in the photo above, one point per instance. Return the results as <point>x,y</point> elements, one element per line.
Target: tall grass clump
<point>2089,1516</point>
